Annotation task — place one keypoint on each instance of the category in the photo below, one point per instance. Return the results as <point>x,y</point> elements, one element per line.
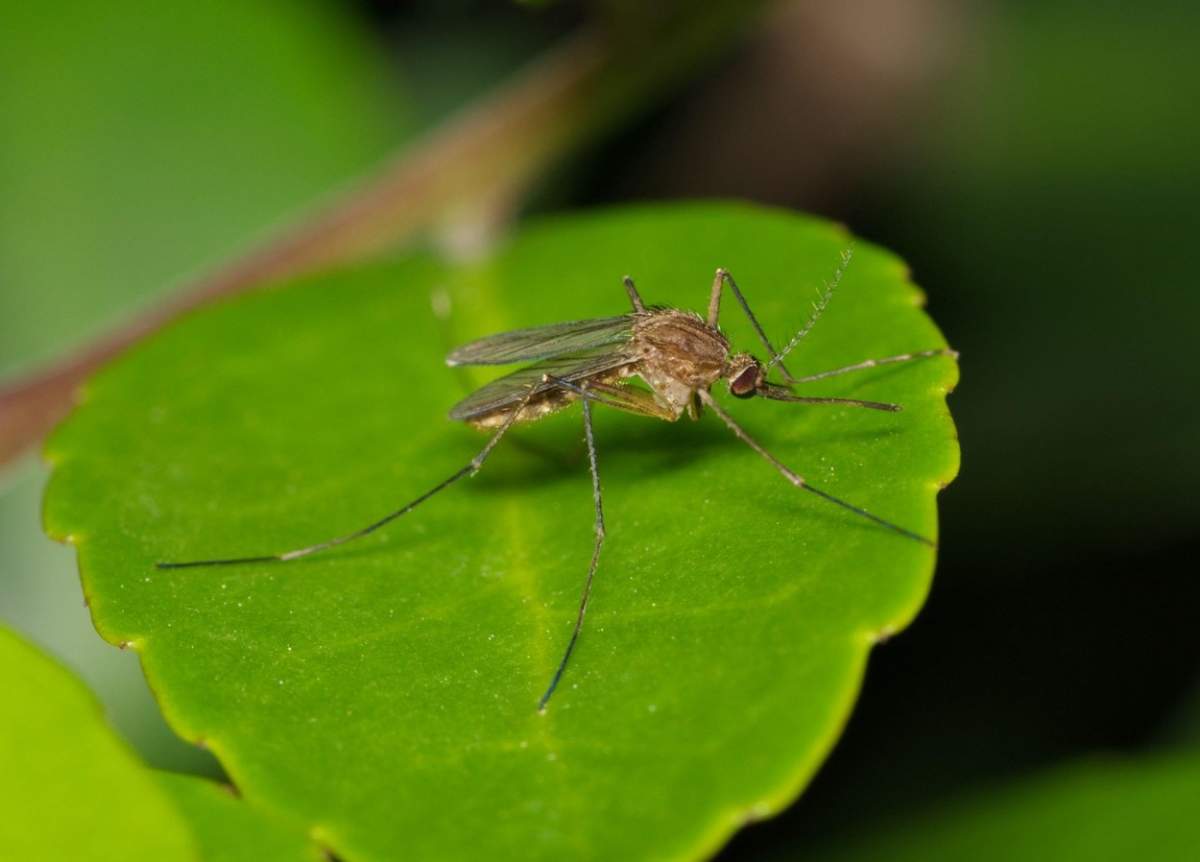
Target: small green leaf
<point>385,693</point>
<point>229,830</point>
<point>1099,811</point>
<point>70,789</point>
<point>140,142</point>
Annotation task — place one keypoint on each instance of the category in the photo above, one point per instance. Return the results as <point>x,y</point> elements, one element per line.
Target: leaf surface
<point>384,693</point>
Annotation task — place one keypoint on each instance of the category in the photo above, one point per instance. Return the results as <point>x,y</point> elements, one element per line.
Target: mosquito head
<point>745,375</point>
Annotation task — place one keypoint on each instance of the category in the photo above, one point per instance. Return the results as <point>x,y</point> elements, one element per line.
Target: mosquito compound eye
<point>744,385</point>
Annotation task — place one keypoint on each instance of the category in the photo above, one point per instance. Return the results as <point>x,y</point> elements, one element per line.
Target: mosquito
<point>679,356</point>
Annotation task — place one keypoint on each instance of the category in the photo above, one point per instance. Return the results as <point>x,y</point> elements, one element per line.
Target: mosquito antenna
<point>818,310</point>
<point>471,468</point>
<point>798,480</point>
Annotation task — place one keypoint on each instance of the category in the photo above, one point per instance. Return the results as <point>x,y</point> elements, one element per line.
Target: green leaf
<point>229,830</point>
<point>1099,810</point>
<point>70,789</point>
<point>385,693</point>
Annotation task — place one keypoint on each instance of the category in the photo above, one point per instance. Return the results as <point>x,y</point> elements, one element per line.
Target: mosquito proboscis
<point>678,355</point>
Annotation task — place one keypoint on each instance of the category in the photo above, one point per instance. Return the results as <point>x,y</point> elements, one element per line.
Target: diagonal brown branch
<point>479,162</point>
<point>469,158</point>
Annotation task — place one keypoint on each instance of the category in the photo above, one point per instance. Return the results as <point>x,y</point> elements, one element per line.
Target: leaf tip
<point>883,634</point>
<point>756,812</point>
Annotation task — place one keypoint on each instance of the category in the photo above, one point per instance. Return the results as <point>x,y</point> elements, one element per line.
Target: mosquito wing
<point>543,342</point>
<point>510,389</point>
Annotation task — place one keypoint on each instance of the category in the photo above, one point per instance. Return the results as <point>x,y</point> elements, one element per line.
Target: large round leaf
<point>385,692</point>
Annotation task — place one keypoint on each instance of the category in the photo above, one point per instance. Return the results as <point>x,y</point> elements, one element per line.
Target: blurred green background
<point>1035,162</point>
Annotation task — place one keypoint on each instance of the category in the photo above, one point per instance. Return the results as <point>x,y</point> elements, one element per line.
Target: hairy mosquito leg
<point>470,469</point>
<point>797,479</point>
<point>723,277</point>
<point>599,530</point>
<point>872,363</point>
<point>634,296</point>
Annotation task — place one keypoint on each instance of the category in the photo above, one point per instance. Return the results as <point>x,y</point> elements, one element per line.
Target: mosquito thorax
<point>744,374</point>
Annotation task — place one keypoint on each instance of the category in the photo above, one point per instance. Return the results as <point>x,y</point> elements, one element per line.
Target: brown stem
<point>480,161</point>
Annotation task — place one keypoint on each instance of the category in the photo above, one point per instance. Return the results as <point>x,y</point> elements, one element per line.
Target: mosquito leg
<point>779,393</point>
<point>798,480</point>
<point>599,529</point>
<point>634,296</point>
<point>714,313</point>
<point>872,363</point>
<point>470,469</point>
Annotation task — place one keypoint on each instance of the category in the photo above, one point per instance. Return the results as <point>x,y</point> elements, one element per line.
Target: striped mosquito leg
<point>798,480</point>
<point>872,363</point>
<point>471,468</point>
<point>599,530</point>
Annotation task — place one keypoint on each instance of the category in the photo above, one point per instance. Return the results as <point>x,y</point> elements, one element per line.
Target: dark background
<point>1036,165</point>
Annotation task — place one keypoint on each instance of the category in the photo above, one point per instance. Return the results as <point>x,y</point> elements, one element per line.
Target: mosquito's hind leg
<point>599,530</point>
<point>798,480</point>
<point>470,469</point>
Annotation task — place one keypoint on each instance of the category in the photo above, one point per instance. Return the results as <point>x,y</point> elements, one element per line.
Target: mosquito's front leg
<point>872,363</point>
<point>798,480</point>
<point>723,277</point>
